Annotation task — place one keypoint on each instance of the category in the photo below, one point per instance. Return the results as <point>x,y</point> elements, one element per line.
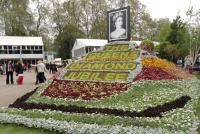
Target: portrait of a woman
<point>118,24</point>
<point>119,31</point>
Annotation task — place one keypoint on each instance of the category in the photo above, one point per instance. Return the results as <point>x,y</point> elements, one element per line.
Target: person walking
<point>29,67</point>
<point>36,78</point>
<point>41,68</point>
<point>9,72</point>
<point>19,72</point>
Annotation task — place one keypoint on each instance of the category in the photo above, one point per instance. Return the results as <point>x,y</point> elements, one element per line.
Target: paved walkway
<point>9,93</point>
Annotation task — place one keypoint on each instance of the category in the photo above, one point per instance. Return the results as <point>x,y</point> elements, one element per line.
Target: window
<point>36,47</point>
<point>40,47</point>
<point>18,47</point>
<point>9,47</point>
<point>28,47</point>
<point>10,52</point>
<point>5,47</point>
<point>37,52</point>
<point>23,47</point>
<point>26,52</point>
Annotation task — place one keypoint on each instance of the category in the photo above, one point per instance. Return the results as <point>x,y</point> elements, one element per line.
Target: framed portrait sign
<point>118,21</point>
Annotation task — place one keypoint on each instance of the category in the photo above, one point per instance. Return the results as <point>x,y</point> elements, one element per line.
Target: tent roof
<point>80,43</point>
<point>21,40</point>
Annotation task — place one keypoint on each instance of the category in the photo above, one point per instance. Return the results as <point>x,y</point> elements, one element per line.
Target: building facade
<point>84,46</point>
<point>27,49</point>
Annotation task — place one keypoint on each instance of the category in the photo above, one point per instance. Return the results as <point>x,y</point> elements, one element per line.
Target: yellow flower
<point>157,62</point>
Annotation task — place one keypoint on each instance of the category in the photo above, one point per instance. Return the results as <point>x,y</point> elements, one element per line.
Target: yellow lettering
<point>124,54</point>
<point>121,76</point>
<point>109,76</point>
<point>95,66</point>
<point>133,55</point>
<point>116,54</point>
<point>71,66</point>
<point>85,76</point>
<point>109,66</point>
<point>86,66</point>
<point>107,48</point>
<point>120,66</point>
<point>91,56</point>
<point>124,47</point>
<point>92,76</point>
<point>130,66</point>
<point>69,75</point>
<point>97,76</point>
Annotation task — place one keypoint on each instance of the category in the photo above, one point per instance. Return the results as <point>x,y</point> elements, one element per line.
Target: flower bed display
<point>96,76</point>
<point>116,47</point>
<point>177,72</point>
<point>154,73</point>
<point>83,90</point>
<point>113,56</point>
<point>144,94</point>
<point>157,62</point>
<point>57,74</point>
<point>112,92</point>
<point>102,66</point>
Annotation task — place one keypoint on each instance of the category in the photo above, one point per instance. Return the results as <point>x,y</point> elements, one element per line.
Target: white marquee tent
<point>83,46</point>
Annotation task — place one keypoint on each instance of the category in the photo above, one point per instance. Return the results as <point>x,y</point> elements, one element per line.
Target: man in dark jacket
<point>9,72</point>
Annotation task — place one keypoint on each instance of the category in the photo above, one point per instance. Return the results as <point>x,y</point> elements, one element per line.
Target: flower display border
<point>135,105</point>
<point>114,45</point>
<point>114,59</point>
<point>73,127</point>
<point>102,69</point>
<point>180,120</point>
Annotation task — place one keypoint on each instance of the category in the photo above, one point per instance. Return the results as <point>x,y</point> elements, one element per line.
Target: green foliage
<point>147,45</point>
<point>157,48</point>
<point>162,52</point>
<point>179,33</point>
<point>177,42</point>
<point>98,30</point>
<point>163,29</point>
<point>65,40</point>
<point>16,18</point>
<point>16,129</point>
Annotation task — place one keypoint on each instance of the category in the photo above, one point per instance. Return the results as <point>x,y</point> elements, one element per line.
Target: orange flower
<point>157,62</point>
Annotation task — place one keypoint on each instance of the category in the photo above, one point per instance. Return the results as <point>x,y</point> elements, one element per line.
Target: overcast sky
<point>169,8</point>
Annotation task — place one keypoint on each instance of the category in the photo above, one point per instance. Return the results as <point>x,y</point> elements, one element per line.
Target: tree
<point>147,45</point>
<point>16,17</point>
<point>40,14</point>
<point>163,29</point>
<point>58,17</point>
<point>179,38</point>
<point>99,19</point>
<point>194,32</point>
<point>178,34</point>
<point>65,40</point>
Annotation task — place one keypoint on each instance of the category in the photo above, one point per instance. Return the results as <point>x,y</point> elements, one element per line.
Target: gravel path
<point>9,93</point>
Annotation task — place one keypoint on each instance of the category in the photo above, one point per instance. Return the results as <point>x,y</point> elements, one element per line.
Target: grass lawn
<point>15,129</point>
<point>198,108</point>
<point>198,76</point>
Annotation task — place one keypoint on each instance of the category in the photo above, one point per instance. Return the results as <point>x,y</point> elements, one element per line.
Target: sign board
<point>119,24</point>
